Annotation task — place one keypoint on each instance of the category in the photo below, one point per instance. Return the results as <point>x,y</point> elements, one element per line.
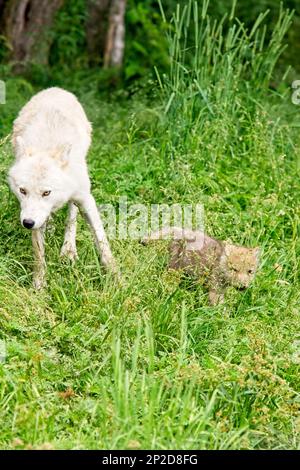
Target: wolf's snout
<point>28,223</point>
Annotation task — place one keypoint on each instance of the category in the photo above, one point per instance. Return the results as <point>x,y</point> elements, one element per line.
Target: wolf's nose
<point>28,223</point>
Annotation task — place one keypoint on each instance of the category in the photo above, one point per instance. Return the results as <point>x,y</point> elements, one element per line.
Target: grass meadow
<point>149,363</point>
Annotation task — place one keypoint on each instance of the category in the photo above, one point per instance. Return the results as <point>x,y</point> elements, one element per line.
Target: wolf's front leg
<point>39,258</point>
<point>92,215</point>
<point>69,246</point>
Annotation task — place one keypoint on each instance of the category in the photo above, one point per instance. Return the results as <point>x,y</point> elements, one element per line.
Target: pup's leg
<point>68,248</point>
<point>91,213</point>
<point>177,251</point>
<point>216,296</point>
<point>39,258</point>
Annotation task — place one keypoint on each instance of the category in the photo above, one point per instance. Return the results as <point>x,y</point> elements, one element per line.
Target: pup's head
<point>239,264</point>
<point>40,182</point>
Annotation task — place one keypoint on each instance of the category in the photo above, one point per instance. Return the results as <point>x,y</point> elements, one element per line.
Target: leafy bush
<point>146,44</point>
<point>69,40</point>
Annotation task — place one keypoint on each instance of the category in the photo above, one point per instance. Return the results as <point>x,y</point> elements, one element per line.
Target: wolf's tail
<point>173,233</point>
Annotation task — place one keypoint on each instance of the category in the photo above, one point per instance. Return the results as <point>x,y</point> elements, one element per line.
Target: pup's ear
<point>257,252</point>
<point>20,147</point>
<point>61,154</point>
<point>228,248</point>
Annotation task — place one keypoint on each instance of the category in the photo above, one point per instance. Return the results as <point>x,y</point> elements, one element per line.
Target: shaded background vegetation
<point>146,46</point>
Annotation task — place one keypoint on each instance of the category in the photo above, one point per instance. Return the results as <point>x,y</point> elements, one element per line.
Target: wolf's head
<point>41,182</point>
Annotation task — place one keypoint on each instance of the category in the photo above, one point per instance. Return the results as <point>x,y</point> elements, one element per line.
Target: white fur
<point>51,137</point>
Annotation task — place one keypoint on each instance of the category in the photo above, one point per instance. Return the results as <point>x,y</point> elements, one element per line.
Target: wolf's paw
<point>69,251</point>
<point>112,268</point>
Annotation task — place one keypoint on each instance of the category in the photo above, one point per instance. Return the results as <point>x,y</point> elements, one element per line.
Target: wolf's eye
<point>46,193</point>
<point>250,271</point>
<point>23,191</point>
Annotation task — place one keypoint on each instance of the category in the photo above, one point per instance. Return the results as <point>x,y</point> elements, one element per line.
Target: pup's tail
<point>173,233</point>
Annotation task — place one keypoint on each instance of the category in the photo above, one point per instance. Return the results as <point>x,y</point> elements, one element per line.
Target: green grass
<point>151,364</point>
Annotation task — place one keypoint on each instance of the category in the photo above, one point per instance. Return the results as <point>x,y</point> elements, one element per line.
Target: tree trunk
<point>2,3</point>
<point>96,28</point>
<point>25,24</point>
<point>2,9</point>
<point>105,31</point>
<point>115,39</point>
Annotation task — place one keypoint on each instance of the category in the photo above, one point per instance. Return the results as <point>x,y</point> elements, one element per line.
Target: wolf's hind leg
<point>68,248</point>
<point>39,258</point>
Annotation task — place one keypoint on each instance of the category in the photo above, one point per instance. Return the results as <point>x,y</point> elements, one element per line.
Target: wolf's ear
<point>61,154</point>
<point>20,147</point>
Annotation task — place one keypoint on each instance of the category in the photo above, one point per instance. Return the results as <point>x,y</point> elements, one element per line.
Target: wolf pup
<point>51,137</point>
<point>219,264</point>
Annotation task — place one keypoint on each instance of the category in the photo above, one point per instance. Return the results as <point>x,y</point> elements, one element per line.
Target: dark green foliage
<point>69,42</point>
<point>146,44</point>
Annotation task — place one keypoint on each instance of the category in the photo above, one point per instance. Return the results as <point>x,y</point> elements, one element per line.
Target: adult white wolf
<point>51,137</point>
